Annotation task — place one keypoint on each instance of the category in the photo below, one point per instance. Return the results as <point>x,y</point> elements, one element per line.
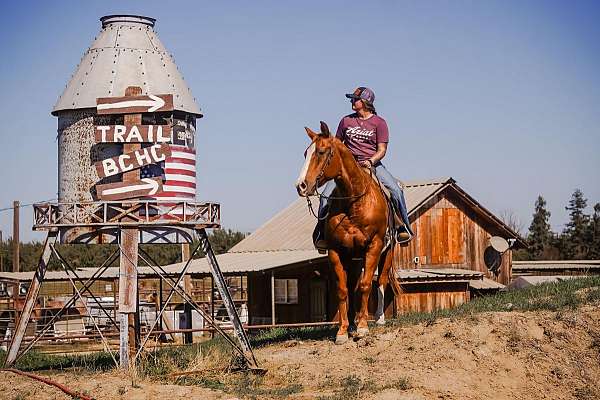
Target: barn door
<point>318,301</point>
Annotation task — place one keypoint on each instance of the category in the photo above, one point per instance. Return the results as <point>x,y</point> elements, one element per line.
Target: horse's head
<point>319,166</point>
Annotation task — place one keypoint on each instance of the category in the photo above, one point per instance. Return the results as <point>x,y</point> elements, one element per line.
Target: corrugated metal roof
<point>228,262</point>
<point>560,265</point>
<point>126,52</point>
<point>251,262</point>
<point>451,272</point>
<point>485,284</point>
<point>291,228</point>
<point>437,274</point>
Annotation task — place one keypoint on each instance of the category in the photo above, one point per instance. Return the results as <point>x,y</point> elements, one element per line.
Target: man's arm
<point>378,156</point>
<point>381,150</point>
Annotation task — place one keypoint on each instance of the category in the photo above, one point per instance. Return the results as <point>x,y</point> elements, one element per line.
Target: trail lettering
<point>133,134</point>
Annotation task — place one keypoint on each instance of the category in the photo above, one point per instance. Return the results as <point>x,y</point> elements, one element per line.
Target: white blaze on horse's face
<point>301,185</point>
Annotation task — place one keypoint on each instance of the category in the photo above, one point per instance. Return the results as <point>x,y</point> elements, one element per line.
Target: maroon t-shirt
<point>361,136</point>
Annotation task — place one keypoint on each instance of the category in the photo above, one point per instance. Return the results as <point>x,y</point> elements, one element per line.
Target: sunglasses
<point>354,100</point>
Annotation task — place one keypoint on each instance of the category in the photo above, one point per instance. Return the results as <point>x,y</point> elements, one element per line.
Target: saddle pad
<point>391,225</point>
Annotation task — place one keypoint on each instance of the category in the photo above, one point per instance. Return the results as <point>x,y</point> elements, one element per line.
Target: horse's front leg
<point>371,262</point>
<point>342,294</point>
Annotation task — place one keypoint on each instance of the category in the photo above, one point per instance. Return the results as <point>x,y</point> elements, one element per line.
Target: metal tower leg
<point>225,295</point>
<point>30,300</point>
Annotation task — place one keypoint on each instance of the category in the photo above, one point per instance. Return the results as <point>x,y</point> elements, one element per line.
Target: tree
<point>540,235</point>
<point>593,235</point>
<point>511,220</point>
<point>222,240</point>
<point>574,243</point>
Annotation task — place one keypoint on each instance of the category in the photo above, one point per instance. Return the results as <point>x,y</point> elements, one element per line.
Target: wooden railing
<point>126,213</point>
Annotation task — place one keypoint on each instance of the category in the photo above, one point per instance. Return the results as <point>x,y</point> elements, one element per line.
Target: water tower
<point>126,53</point>
<point>127,172</point>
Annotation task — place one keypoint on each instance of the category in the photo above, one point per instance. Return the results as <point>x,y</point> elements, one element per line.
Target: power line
<point>26,205</point>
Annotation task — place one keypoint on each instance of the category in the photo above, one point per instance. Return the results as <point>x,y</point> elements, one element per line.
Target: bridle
<point>327,162</point>
<point>320,195</point>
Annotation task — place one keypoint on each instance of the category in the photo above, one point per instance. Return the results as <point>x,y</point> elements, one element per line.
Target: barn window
<point>286,291</point>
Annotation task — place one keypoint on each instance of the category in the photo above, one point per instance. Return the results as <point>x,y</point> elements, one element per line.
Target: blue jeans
<point>388,181</point>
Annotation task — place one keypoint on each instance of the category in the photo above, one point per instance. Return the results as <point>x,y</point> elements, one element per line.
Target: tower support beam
<point>30,299</point>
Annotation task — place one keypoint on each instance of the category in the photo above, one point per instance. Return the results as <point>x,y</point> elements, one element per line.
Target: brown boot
<point>402,234</point>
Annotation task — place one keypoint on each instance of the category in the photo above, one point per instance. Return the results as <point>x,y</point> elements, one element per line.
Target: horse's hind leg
<point>366,283</point>
<point>342,293</point>
<point>385,265</point>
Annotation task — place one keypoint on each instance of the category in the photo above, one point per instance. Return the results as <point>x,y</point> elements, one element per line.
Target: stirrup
<point>321,246</point>
<point>403,236</point>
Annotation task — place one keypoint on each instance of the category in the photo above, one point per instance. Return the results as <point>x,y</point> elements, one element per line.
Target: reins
<point>321,195</point>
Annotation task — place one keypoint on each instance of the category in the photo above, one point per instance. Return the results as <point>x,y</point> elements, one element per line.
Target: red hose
<point>47,381</point>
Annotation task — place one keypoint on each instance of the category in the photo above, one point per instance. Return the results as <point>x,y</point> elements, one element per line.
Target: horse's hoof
<point>380,321</point>
<point>341,339</point>
<point>362,332</point>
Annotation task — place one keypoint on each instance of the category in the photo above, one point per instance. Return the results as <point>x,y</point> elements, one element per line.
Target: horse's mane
<point>342,147</point>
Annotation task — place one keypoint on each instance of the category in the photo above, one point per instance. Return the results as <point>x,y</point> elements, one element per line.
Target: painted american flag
<point>178,172</point>
<point>179,178</point>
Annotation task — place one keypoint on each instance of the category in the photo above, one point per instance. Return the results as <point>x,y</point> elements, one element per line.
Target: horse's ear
<point>312,135</point>
<point>325,129</point>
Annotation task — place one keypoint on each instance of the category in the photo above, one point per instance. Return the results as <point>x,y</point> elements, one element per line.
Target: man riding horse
<point>353,224</point>
<point>366,135</point>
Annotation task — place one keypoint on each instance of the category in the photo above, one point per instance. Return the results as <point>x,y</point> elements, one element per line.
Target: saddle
<point>394,222</point>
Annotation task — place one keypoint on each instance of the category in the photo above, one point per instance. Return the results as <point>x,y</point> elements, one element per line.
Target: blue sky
<point>502,96</point>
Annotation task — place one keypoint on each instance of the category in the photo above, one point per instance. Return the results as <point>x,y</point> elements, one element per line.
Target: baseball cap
<point>362,93</point>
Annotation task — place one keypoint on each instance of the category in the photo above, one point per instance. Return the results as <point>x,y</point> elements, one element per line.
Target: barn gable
<point>452,231</point>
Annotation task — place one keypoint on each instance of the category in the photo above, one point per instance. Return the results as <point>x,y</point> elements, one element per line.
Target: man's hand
<point>366,164</point>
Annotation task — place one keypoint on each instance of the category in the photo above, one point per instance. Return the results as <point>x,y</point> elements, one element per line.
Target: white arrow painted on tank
<point>150,184</point>
<point>155,103</point>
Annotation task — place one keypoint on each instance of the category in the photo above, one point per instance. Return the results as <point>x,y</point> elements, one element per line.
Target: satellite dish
<point>492,259</point>
<point>492,256</point>
<point>499,244</point>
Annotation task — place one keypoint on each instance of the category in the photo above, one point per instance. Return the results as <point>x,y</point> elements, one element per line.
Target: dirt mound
<point>532,355</point>
<point>493,355</point>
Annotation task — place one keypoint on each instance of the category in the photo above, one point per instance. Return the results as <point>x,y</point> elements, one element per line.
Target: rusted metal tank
<point>127,52</point>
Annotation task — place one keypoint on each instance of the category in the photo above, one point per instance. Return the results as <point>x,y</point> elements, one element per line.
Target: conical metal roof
<point>127,52</point>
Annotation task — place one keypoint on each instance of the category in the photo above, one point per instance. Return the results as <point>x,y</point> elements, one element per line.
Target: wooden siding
<point>428,297</point>
<point>450,234</point>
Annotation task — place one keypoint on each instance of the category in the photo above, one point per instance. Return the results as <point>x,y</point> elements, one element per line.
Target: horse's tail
<point>393,270</point>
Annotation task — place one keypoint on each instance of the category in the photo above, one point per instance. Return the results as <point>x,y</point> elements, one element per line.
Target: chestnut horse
<point>355,227</point>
